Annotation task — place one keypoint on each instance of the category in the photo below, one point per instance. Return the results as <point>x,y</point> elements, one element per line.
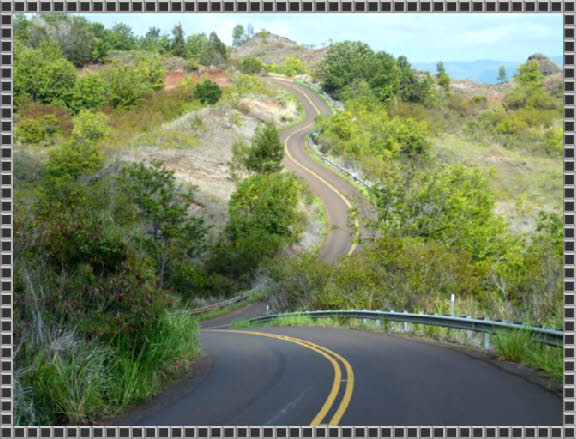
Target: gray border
<point>423,6</point>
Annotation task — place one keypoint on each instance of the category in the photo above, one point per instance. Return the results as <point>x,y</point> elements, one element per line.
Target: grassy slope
<point>523,183</point>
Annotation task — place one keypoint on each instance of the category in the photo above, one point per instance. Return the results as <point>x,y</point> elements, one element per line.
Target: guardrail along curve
<point>549,336</point>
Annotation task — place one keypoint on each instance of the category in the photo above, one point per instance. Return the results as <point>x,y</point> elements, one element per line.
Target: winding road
<point>323,376</point>
<point>335,192</point>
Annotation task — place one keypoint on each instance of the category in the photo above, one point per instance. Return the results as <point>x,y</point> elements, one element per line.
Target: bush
<point>125,89</point>
<point>38,130</point>
<point>207,92</point>
<point>90,126</point>
<point>89,92</point>
<point>365,130</point>
<point>151,72</point>
<point>266,154</point>
<point>251,65</point>
<point>37,111</point>
<point>553,140</point>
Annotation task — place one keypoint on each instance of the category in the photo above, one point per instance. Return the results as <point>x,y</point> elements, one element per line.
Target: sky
<point>421,38</point>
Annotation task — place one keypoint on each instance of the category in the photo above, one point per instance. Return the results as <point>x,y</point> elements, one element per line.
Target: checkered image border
<point>164,6</point>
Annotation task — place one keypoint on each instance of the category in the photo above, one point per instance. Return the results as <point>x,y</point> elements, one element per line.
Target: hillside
<point>272,48</point>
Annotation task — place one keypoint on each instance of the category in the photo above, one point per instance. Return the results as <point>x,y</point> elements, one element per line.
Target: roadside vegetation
<point>111,254</point>
<point>436,226</point>
<point>516,346</point>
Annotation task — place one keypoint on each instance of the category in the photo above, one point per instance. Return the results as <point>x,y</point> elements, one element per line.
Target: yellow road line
<point>310,171</point>
<point>329,355</point>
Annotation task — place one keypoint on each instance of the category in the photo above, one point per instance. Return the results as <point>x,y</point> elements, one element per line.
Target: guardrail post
<point>365,322</point>
<point>486,340</point>
<point>468,332</point>
<point>378,323</point>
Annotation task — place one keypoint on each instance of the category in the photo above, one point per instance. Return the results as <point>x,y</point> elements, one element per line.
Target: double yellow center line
<point>310,171</point>
<point>335,359</point>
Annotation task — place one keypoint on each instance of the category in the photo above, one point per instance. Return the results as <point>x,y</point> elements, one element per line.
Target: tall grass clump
<point>521,347</point>
<point>141,369</point>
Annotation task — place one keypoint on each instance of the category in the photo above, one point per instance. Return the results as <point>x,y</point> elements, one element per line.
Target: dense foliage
<point>350,68</point>
<point>207,92</point>
<point>263,219</point>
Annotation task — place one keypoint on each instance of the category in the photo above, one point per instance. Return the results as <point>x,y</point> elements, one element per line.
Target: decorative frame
<point>8,7</point>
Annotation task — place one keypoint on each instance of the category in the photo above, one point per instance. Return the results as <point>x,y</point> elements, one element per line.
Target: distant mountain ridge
<point>485,71</point>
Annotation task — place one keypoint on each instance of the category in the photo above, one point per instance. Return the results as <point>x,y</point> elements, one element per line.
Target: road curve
<point>324,376</point>
<point>279,376</point>
<point>335,192</point>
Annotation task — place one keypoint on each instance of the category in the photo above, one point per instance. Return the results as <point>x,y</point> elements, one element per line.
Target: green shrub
<point>38,130</point>
<point>89,92</point>
<point>266,153</point>
<point>207,92</point>
<point>90,126</point>
<point>72,160</point>
<point>44,75</point>
<point>553,140</point>
<point>512,345</point>
<point>124,88</point>
<point>151,72</point>
<point>251,65</point>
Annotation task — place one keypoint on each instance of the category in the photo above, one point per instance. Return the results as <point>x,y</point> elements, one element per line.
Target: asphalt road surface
<point>323,376</point>
<point>318,376</point>
<point>335,192</point>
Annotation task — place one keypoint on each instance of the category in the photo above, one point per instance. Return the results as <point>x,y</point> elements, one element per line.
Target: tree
<point>122,37</point>
<point>79,40</point>
<point>218,48</point>
<point>348,64</point>
<point>238,35</point>
<point>529,73</point>
<point>264,203</point>
<point>171,232</point>
<point>249,32</point>
<point>443,78</point>
<point>263,218</point>
<point>124,88</point>
<point>502,74</point>
<point>44,75</point>
<point>151,72</point>
<point>178,41</point>
<point>151,39</point>
<point>267,152</point>
<point>89,92</point>
<point>344,63</point>
<point>207,92</point>
<point>453,205</point>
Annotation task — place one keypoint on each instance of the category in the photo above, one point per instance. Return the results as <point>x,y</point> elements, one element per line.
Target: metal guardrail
<point>334,106</point>
<point>225,303</point>
<point>549,336</point>
<point>329,162</point>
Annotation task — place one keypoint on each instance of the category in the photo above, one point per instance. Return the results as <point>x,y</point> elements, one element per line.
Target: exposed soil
<point>202,158</point>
